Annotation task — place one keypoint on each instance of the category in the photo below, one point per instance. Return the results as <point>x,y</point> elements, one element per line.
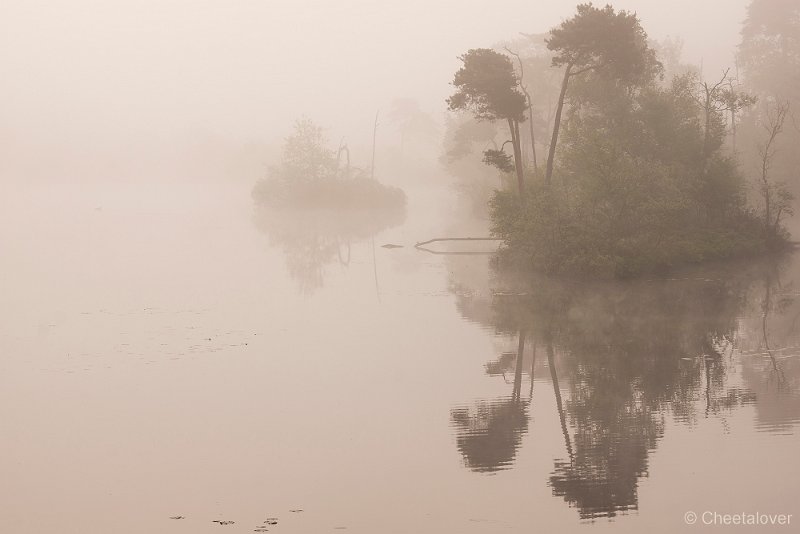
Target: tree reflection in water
<point>771,343</point>
<point>627,356</point>
<point>489,433</point>
<point>312,239</point>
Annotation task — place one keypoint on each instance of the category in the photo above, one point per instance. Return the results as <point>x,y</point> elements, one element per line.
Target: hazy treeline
<point>617,158</point>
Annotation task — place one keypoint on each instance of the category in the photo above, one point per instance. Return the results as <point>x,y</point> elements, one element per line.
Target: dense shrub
<point>309,176</point>
<point>638,188</point>
<point>332,193</point>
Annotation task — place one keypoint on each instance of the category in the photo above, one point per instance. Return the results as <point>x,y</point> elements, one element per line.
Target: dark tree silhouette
<point>488,87</point>
<point>489,433</point>
<point>610,44</point>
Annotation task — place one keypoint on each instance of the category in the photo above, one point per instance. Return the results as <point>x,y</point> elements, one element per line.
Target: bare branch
<point>529,101</point>
<point>775,121</point>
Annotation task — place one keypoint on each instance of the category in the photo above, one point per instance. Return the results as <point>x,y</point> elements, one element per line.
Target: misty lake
<point>172,359</point>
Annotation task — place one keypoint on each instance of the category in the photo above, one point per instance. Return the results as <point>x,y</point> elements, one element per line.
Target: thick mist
<point>168,89</point>
<point>399,267</point>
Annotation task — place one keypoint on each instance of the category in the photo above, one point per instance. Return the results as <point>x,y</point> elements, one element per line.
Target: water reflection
<point>489,432</point>
<point>771,343</point>
<point>313,239</point>
<point>623,360</point>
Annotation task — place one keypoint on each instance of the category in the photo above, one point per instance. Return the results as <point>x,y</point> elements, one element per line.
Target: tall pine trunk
<point>557,125</point>
<point>513,126</point>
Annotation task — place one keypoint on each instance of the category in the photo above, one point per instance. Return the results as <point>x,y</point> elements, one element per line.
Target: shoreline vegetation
<point>311,177</point>
<point>642,173</point>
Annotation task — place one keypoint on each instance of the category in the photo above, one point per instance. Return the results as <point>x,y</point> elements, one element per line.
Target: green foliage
<point>633,193</point>
<point>499,159</point>
<point>608,53</point>
<point>488,87</point>
<point>542,81</point>
<point>641,183</point>
<point>358,192</point>
<point>305,156</point>
<point>612,44</point>
<point>644,179</point>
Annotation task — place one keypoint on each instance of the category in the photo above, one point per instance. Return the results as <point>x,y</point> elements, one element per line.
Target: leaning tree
<point>488,87</point>
<point>609,44</point>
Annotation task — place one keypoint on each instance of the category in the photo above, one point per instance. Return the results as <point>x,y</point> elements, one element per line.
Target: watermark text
<point>710,517</point>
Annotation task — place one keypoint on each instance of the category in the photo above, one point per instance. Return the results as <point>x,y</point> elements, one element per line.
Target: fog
<point>273,266</point>
<point>131,90</point>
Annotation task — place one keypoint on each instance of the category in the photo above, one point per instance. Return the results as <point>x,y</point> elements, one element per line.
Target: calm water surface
<point>167,351</point>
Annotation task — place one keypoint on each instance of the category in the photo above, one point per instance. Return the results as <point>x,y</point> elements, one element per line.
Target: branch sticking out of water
<point>422,243</point>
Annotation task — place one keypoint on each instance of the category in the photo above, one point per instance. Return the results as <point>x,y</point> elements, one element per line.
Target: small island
<point>314,206</point>
<point>311,177</point>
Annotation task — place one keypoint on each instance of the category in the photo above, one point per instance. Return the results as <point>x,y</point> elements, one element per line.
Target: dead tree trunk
<point>530,105</point>
<point>343,148</point>
<point>374,136</point>
<point>774,127</point>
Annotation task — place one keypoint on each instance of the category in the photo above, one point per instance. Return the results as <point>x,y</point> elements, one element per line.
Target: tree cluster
<point>311,175</point>
<point>639,175</point>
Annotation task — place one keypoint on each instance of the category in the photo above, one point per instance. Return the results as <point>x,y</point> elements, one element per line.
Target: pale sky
<point>115,76</point>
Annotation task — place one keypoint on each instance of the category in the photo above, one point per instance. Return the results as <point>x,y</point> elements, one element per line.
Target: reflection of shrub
<point>311,239</point>
<point>629,353</point>
<point>284,226</point>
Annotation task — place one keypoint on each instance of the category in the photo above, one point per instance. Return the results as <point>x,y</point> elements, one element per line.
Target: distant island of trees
<point>312,176</point>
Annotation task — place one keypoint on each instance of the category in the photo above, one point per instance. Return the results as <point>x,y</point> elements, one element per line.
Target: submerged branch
<point>421,243</point>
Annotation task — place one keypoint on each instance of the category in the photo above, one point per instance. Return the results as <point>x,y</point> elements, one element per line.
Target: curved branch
<point>434,240</point>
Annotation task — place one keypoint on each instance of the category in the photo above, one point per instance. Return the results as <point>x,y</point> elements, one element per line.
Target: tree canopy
<point>308,176</point>
<point>613,44</point>
<point>645,177</point>
<point>643,181</point>
<point>305,156</point>
<point>609,45</point>
<point>770,48</point>
<point>488,87</point>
